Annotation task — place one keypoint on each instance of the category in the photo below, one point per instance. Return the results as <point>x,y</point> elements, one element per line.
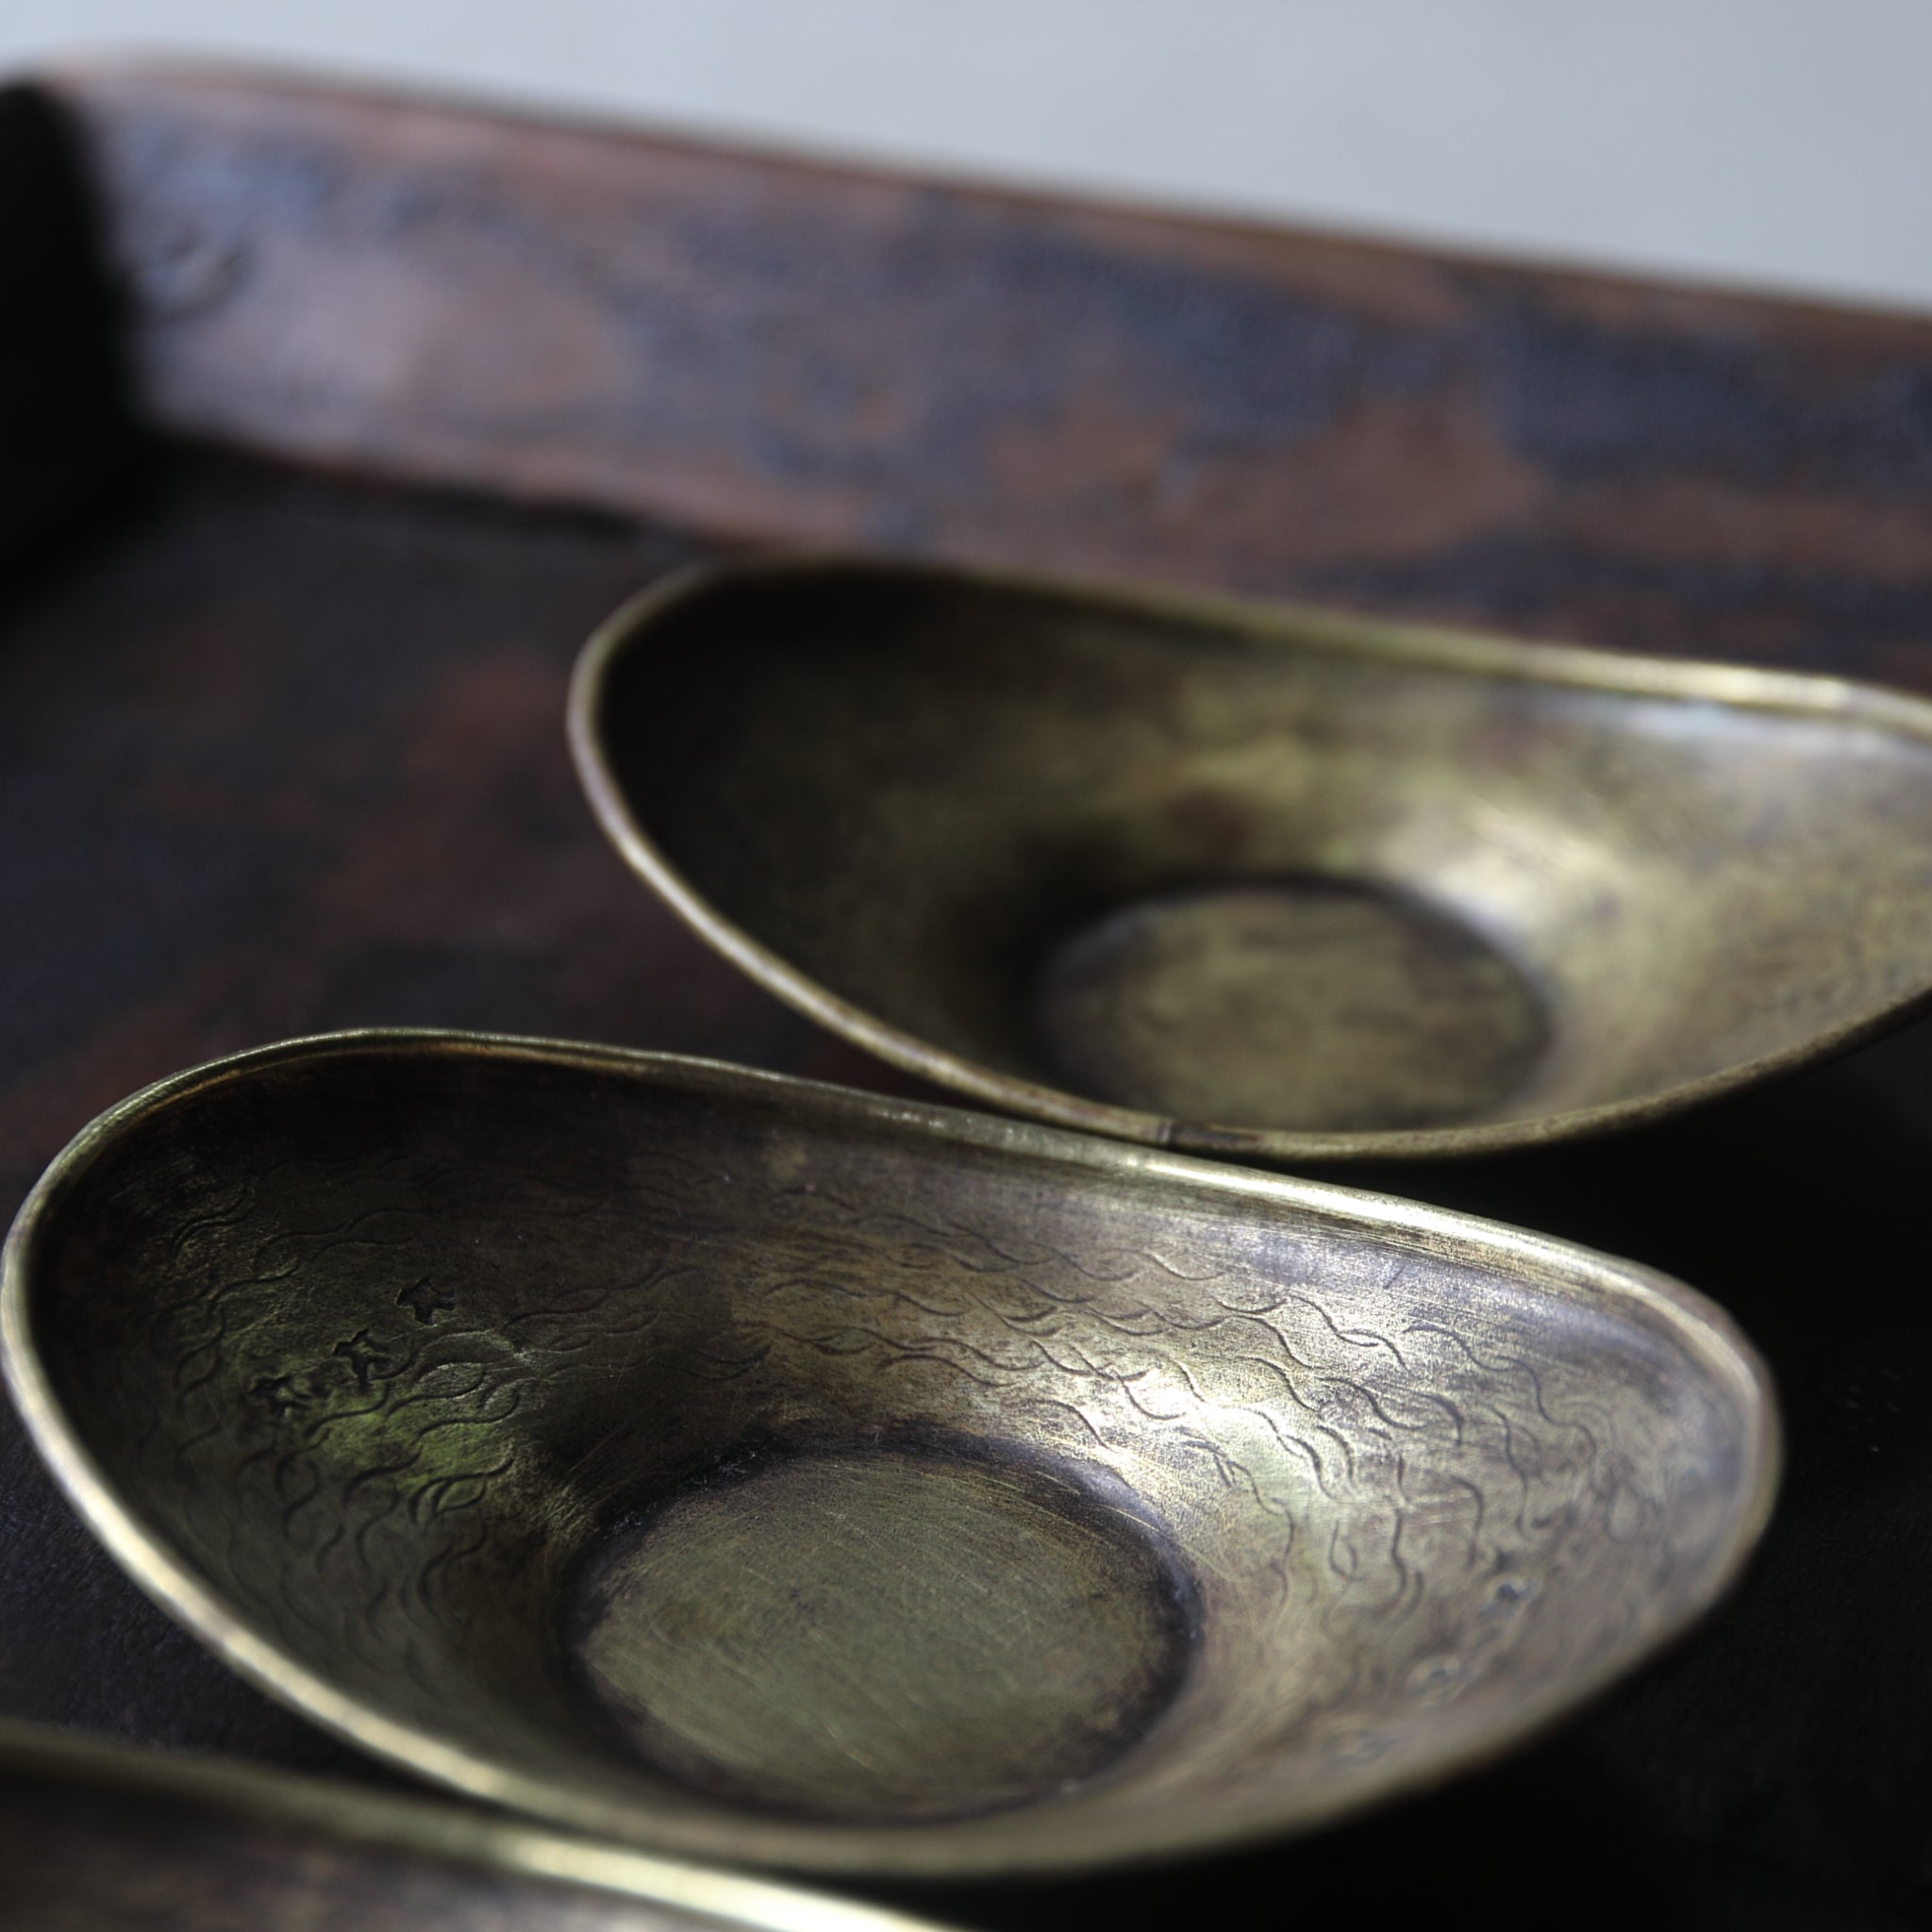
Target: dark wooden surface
<point>68,443</point>
<point>282,751</point>
<point>753,347</point>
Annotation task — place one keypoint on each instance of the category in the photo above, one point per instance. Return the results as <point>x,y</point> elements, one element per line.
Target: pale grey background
<point>1785,143</point>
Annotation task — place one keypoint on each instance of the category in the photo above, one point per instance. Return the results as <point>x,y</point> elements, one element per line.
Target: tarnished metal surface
<point>1265,882</point>
<point>749,1467</point>
<point>97,1837</point>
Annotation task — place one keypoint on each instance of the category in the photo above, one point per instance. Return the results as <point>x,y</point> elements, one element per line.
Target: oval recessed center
<point>1313,1005</point>
<point>880,1635</point>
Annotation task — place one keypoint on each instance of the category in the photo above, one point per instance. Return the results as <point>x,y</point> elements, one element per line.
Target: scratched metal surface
<point>768,1470</point>
<point>282,751</point>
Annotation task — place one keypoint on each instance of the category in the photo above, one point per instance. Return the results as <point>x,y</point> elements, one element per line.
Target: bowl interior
<point>745,1466</point>
<point>1258,872</point>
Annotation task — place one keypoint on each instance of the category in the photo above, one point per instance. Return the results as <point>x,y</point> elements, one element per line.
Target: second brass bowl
<point>100,1838</point>
<point>771,1471</point>
<point>1255,881</point>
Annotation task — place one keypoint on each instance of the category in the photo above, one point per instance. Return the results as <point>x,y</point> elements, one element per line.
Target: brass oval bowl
<point>1259,882</point>
<point>97,1837</point>
<point>761,1470</point>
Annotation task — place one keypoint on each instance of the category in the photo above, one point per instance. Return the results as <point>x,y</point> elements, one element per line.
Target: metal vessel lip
<point>1582,667</point>
<point>433,1828</point>
<point>1702,1326</point>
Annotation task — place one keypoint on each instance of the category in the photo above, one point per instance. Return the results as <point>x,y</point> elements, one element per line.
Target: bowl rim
<point>1563,1269</point>
<point>1333,632</point>
<point>432,1829</point>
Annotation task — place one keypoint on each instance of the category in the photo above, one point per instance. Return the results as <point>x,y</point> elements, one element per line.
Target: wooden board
<point>818,355</point>
<point>423,393</point>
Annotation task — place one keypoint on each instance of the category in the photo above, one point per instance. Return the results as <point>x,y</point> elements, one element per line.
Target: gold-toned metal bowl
<point>99,1838</point>
<point>761,1470</point>
<point>1255,881</point>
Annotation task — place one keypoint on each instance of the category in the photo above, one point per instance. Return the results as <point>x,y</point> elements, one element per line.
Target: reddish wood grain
<point>830,357</point>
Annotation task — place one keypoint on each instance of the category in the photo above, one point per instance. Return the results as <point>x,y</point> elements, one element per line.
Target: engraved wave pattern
<point>351,1414</point>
